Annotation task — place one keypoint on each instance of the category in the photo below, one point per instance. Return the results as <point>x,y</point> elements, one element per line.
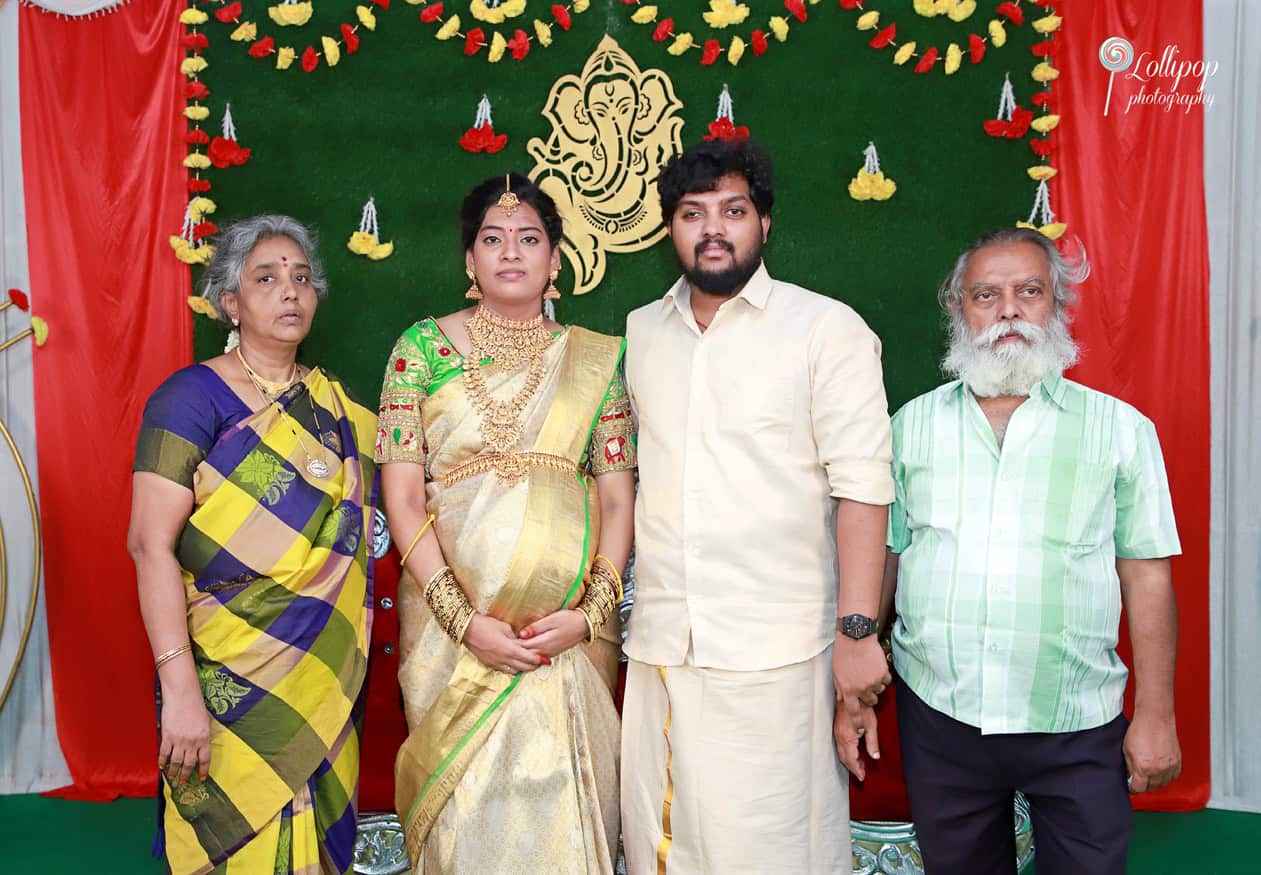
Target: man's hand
<point>848,738</point>
<point>860,671</point>
<point>1152,755</point>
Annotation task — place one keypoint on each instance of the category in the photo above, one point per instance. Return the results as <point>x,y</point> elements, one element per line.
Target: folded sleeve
<point>848,409</point>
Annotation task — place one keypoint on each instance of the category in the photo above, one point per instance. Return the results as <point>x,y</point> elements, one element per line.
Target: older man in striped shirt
<point>1028,509</point>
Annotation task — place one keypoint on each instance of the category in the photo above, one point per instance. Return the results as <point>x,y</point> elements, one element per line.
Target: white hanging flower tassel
<point>1006,100</point>
<point>870,183</point>
<point>186,230</point>
<point>229,129</point>
<point>187,248</point>
<point>234,340</point>
<point>483,113</point>
<point>367,241</point>
<point>1042,217</point>
<point>726,109</point>
<point>549,310</point>
<point>871,159</point>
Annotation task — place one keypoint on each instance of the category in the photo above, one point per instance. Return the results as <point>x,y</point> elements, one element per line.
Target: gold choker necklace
<point>269,389</point>
<point>508,343</point>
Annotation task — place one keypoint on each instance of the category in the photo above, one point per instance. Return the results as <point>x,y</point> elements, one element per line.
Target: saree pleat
<point>531,758</point>
<point>278,585</point>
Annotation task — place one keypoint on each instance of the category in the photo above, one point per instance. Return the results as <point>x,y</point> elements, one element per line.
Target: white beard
<point>1012,368</point>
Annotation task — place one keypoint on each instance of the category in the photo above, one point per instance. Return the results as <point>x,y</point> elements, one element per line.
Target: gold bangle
<point>598,601</point>
<point>169,655</point>
<point>450,606</point>
<point>617,575</point>
<point>416,540</point>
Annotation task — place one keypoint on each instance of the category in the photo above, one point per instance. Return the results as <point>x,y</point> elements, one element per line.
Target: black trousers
<point>962,788</point>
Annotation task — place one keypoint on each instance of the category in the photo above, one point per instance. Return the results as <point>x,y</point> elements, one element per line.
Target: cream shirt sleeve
<point>848,409</point>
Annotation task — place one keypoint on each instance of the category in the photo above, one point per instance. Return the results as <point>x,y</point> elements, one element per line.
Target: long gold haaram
<point>508,343</point>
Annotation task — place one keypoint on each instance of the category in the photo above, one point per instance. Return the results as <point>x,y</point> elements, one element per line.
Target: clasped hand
<point>860,673</point>
<point>496,645</point>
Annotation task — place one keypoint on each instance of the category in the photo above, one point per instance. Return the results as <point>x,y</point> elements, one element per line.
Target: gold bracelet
<point>416,540</point>
<point>450,606</point>
<point>169,655</point>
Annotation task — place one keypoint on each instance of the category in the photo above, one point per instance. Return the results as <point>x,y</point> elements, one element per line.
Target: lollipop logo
<point>1116,55</point>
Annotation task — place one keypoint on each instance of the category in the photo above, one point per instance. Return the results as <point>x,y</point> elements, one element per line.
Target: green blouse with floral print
<point>424,360</point>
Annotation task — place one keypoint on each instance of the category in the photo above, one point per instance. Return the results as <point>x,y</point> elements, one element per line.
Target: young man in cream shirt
<point>764,451</point>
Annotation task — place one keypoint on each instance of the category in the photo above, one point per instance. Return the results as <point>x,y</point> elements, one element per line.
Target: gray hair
<point>1067,272</point>
<point>235,243</point>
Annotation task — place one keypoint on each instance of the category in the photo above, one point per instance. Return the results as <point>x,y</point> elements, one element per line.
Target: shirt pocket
<point>1090,508</point>
<point>760,403</point>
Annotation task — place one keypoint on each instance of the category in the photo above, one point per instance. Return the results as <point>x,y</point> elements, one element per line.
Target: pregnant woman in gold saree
<point>507,447</point>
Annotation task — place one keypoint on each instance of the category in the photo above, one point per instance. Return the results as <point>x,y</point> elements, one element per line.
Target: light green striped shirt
<point>1008,600</point>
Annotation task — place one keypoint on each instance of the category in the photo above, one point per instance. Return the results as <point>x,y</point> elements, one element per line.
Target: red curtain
<point>101,149</point>
<point>1131,187</point>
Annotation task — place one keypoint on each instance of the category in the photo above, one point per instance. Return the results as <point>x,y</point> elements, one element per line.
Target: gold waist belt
<point>510,468</point>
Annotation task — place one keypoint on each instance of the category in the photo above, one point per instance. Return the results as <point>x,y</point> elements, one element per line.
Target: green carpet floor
<point>50,836</point>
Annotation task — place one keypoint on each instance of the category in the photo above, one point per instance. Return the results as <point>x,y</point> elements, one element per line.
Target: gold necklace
<point>270,389</point>
<point>267,390</point>
<point>508,343</point>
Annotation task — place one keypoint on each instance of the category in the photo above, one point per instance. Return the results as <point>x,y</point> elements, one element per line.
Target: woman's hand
<point>554,634</point>
<point>185,736</point>
<point>496,646</point>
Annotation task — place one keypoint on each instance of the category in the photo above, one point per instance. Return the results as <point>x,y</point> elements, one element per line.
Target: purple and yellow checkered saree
<point>277,571</point>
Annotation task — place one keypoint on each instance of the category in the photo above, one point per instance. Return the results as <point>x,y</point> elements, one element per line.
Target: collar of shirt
<point>1053,388</point>
<point>757,291</point>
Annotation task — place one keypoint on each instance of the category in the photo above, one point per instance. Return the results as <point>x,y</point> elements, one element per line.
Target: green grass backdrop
<point>385,122</point>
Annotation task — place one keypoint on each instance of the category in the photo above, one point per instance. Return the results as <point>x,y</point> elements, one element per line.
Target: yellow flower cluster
<point>190,253</point>
<point>956,10</point>
<point>496,14</point>
<point>286,14</point>
<point>871,186</point>
<point>723,13</point>
<point>363,243</point>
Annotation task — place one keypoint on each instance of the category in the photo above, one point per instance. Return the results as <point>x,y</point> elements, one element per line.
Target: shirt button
<point>993,648</point>
<point>387,602</point>
<point>388,648</point>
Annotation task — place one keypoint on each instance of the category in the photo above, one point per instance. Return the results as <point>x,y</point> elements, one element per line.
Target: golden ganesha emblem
<point>613,127</point>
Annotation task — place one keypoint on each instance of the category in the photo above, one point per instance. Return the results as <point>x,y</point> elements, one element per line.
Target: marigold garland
<point>721,15</point>
<point>496,44</point>
<point>954,55</point>
<point>294,14</point>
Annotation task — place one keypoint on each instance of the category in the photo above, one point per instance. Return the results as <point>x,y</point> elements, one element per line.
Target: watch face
<point>857,626</point>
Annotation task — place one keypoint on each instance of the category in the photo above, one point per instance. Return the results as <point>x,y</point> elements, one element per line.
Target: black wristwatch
<point>855,626</point>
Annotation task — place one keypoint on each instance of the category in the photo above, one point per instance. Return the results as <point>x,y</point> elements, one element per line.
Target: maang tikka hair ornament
<point>508,202</point>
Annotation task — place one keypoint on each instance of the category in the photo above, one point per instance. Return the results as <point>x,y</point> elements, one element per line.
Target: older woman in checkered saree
<point>250,529</point>
<point>505,441</point>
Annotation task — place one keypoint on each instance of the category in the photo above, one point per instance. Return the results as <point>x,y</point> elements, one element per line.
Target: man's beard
<point>728,280</point>
<point>1012,368</point>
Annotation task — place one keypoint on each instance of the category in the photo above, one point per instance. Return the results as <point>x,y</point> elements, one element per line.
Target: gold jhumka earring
<point>474,293</point>
<point>552,294</point>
